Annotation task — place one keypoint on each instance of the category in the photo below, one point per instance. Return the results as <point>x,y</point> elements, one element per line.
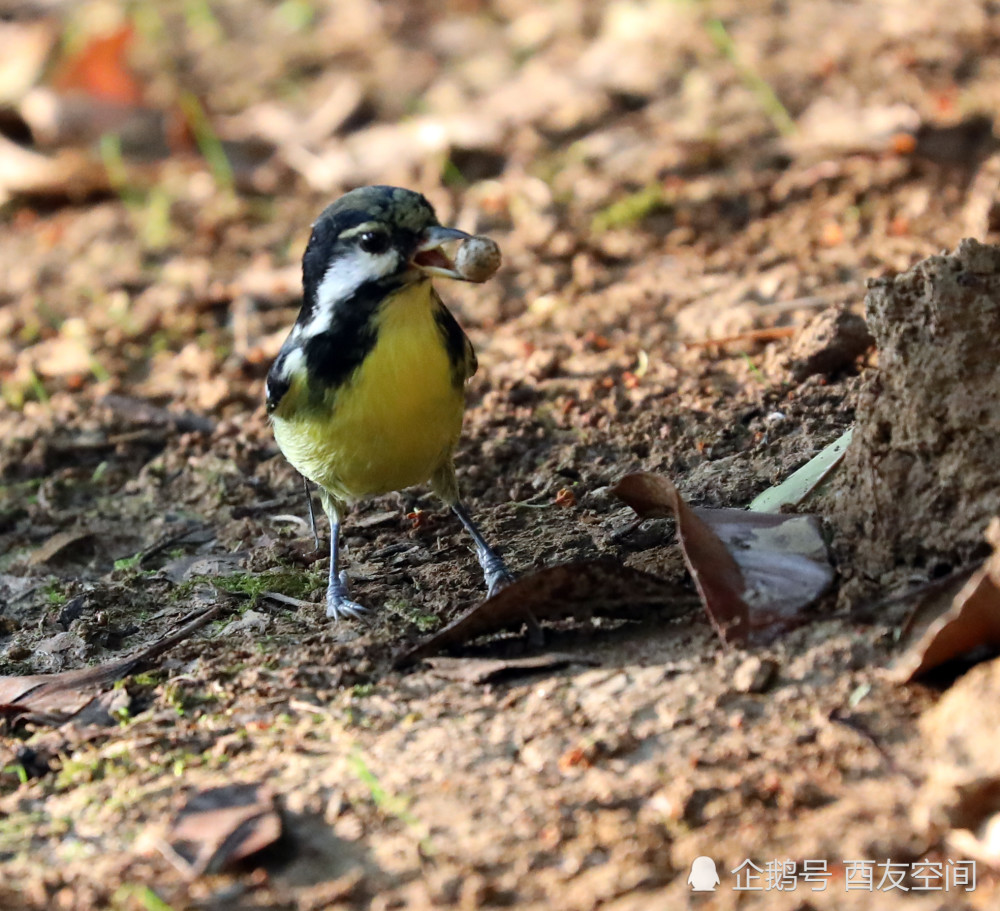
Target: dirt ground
<point>657,175</point>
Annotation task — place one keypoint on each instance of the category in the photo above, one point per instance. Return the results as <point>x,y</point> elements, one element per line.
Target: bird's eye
<point>374,242</point>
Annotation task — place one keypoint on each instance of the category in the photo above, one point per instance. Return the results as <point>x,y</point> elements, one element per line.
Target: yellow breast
<point>394,422</point>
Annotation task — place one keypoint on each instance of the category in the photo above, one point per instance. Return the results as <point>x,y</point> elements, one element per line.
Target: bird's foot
<point>496,574</point>
<point>338,604</point>
<point>498,577</point>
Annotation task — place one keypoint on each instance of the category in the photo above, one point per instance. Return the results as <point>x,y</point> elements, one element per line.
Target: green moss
<point>128,562</point>
<point>295,583</point>
<point>412,614</point>
<point>55,594</point>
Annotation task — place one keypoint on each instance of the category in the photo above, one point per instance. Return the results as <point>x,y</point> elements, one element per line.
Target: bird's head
<point>374,236</point>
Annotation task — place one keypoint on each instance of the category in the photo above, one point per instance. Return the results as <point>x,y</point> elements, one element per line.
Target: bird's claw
<point>498,577</point>
<point>338,605</point>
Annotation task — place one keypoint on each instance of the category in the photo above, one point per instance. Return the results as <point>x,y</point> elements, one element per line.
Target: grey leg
<point>494,571</point>
<point>338,604</point>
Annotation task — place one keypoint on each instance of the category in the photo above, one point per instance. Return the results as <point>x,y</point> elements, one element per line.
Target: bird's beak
<point>430,258</point>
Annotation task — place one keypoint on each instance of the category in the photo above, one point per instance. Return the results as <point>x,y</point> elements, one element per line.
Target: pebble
<point>754,675</point>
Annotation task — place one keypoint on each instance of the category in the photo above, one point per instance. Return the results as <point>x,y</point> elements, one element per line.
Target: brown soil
<point>637,180</point>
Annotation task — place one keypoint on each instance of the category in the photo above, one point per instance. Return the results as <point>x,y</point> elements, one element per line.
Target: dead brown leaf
<point>59,542</point>
<point>70,174</point>
<point>58,698</point>
<point>972,620</point>
<point>754,571</point>
<point>716,574</point>
<point>220,827</point>
<point>575,590</point>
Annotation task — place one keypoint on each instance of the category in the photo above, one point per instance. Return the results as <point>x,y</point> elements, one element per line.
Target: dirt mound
<point>918,486</point>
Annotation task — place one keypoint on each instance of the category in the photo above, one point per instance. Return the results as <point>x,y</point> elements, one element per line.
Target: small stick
<point>751,335</point>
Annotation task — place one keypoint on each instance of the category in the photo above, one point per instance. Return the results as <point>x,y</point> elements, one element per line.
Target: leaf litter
<point>578,590</point>
<point>63,697</point>
<point>219,828</point>
<point>969,624</point>
<point>755,572</point>
<point>532,127</point>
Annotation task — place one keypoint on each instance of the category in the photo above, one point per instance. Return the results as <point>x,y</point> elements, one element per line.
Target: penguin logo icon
<point>703,877</point>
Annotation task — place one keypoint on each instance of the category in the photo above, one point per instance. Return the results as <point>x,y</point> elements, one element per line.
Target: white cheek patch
<point>293,363</point>
<point>288,367</point>
<point>344,276</point>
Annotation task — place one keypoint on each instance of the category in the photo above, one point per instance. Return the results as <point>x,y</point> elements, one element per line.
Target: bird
<point>367,393</point>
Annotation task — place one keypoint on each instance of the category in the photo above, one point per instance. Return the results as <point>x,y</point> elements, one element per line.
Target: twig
<point>751,335</point>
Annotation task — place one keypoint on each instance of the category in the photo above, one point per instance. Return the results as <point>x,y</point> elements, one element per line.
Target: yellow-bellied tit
<point>367,393</point>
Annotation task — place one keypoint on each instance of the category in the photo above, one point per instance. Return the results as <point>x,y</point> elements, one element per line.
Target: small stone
<point>829,343</point>
<point>754,675</point>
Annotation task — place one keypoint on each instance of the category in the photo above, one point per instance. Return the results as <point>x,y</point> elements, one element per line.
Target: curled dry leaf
<point>716,574</point>
<point>220,827</point>
<point>959,799</point>
<point>972,620</point>
<point>70,174</point>
<point>753,571</point>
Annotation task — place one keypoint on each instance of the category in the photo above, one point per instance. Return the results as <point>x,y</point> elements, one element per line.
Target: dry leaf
<point>959,799</point>
<point>716,574</point>
<point>972,621</point>
<point>220,827</point>
<point>100,69</point>
<point>57,698</point>
<point>575,590</point>
<point>59,542</point>
<point>70,175</point>
<point>754,571</point>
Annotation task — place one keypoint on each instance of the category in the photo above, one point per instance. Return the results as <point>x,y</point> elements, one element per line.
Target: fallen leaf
<point>716,574</point>
<point>100,69</point>
<point>783,558</point>
<point>251,622</point>
<point>959,796</point>
<point>70,174</point>
<point>492,670</point>
<point>801,483</point>
<point>59,542</point>
<point>971,621</point>
<point>62,642</point>
<point>26,45</point>
<point>754,571</point>
<point>144,413</point>
<point>220,827</point>
<point>57,698</point>
<point>577,590</point>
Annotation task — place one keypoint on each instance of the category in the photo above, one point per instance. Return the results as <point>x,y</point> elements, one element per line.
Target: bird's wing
<point>460,351</point>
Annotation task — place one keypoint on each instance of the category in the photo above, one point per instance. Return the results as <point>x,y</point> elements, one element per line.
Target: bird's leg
<point>312,510</point>
<point>338,604</point>
<point>494,570</point>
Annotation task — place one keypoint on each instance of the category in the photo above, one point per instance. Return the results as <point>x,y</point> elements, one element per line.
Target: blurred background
<point>160,165</point>
<point>683,193</point>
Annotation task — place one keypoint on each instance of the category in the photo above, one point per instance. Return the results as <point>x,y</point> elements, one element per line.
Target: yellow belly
<point>394,423</point>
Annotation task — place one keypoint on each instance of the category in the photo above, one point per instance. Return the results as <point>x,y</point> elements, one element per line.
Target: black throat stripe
<point>334,354</point>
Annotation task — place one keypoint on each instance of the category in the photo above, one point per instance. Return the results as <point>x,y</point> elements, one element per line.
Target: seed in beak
<point>477,259</point>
